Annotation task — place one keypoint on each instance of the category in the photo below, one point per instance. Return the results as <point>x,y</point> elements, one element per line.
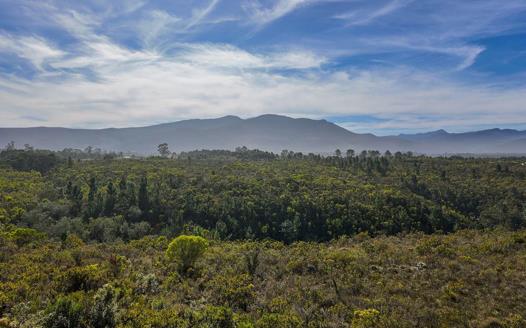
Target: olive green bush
<point>186,250</point>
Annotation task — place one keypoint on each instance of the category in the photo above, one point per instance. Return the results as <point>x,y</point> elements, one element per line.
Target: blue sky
<point>381,66</point>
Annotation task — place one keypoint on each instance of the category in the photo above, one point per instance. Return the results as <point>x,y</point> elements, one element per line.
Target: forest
<point>249,238</point>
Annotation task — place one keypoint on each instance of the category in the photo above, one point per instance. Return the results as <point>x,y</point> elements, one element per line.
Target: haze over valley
<point>268,132</point>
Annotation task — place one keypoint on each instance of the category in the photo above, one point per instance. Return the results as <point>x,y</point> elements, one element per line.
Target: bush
<point>236,291</point>
<point>65,313</point>
<point>23,236</point>
<point>83,278</point>
<point>73,241</point>
<point>365,318</point>
<point>186,250</point>
<point>272,320</point>
<point>217,317</point>
<point>104,309</point>
<point>147,284</point>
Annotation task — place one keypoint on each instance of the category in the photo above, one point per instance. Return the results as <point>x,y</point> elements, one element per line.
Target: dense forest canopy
<point>254,194</point>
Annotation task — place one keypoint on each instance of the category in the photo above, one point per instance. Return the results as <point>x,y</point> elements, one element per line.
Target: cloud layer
<point>134,63</point>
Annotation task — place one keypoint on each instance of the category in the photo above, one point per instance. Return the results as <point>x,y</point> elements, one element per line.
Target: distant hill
<point>493,141</point>
<point>266,132</point>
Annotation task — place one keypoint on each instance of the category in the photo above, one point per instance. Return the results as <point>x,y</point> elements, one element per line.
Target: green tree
<point>163,150</point>
<point>186,250</point>
<point>94,204</point>
<point>75,197</point>
<point>92,189</point>
<point>10,146</point>
<point>143,198</point>
<point>109,201</point>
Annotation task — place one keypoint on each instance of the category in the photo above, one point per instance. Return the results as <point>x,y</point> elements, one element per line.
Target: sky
<point>379,66</point>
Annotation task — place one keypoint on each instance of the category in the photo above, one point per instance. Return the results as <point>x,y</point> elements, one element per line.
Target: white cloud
<point>199,14</point>
<point>195,80</point>
<point>80,25</point>
<point>366,16</point>
<point>444,27</point>
<point>211,81</point>
<point>227,56</point>
<point>36,50</point>
<point>104,53</point>
<point>152,27</point>
<point>261,15</point>
<point>467,54</point>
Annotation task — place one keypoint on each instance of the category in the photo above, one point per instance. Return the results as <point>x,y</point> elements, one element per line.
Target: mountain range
<point>266,132</point>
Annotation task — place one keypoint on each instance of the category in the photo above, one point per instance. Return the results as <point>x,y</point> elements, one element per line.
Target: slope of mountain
<point>485,141</point>
<point>266,132</point>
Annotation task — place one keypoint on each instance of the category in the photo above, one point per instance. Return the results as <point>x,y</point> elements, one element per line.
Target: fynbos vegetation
<point>253,239</point>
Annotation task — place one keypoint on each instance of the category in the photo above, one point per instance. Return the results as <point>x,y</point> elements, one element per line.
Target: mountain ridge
<point>267,132</point>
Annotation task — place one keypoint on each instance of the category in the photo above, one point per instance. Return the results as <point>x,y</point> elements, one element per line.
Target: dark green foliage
<point>143,198</point>
<point>256,195</point>
<point>109,201</point>
<point>163,150</point>
<point>94,205</point>
<point>30,160</point>
<point>24,236</point>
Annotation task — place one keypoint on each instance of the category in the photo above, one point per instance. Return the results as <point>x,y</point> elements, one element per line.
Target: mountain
<point>266,132</point>
<point>478,142</point>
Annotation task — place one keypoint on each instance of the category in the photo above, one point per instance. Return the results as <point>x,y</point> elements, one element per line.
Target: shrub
<point>186,250</point>
<point>4,217</point>
<point>252,260</point>
<point>65,313</point>
<point>83,278</point>
<point>103,312</point>
<point>4,323</point>
<point>4,302</point>
<point>236,291</point>
<point>217,317</point>
<point>365,318</point>
<point>272,320</point>
<point>147,284</point>
<point>73,241</point>
<point>24,236</point>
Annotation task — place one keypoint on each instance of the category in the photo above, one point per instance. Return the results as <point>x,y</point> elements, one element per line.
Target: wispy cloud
<point>36,50</point>
<point>199,14</point>
<point>262,15</point>
<point>366,16</point>
<point>227,56</point>
<point>79,25</point>
<point>104,53</point>
<point>466,53</point>
<point>209,80</point>
<point>446,27</point>
<point>154,25</point>
<point>133,62</point>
